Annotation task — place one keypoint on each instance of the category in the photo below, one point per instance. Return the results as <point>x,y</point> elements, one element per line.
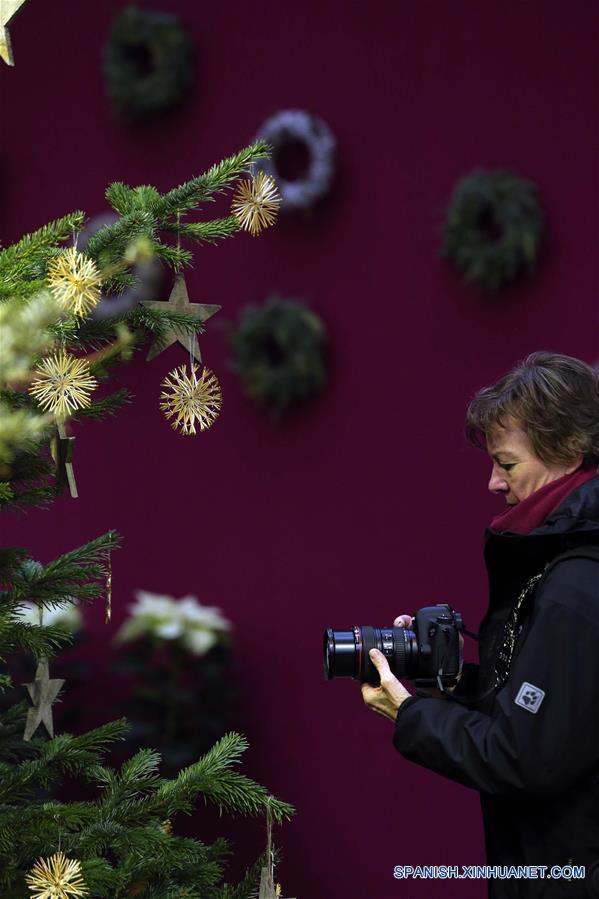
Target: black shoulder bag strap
<point>523,609</point>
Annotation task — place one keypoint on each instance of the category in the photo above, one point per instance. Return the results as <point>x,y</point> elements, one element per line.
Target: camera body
<point>427,654</point>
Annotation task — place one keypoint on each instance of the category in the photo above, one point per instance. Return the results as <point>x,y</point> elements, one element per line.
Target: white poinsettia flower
<point>202,616</point>
<point>169,630</point>
<point>197,627</point>
<point>153,605</point>
<point>68,617</point>
<point>199,641</point>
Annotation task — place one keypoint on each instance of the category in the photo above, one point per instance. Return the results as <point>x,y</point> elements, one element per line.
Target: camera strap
<point>470,634</point>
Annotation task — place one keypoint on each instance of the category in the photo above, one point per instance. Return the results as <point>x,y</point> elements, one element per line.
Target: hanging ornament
<point>268,890</point>
<point>75,280</point>
<point>108,591</point>
<point>43,691</point>
<point>8,10</point>
<point>57,877</point>
<point>62,384</point>
<point>61,449</point>
<point>256,203</point>
<point>179,302</point>
<point>187,399</point>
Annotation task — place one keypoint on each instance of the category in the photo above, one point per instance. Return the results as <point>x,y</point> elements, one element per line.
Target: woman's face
<point>517,470</point>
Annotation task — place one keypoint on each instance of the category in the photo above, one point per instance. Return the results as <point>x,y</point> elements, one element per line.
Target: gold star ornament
<point>62,384</point>
<point>43,691</point>
<point>256,203</point>
<point>8,10</point>
<point>75,281</point>
<point>179,302</point>
<point>57,877</point>
<point>188,399</point>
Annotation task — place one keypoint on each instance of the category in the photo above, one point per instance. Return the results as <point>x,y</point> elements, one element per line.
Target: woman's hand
<point>387,698</point>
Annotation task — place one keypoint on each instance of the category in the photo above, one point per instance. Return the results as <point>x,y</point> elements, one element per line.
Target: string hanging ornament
<point>256,203</point>
<point>42,692</point>
<point>75,280</point>
<point>268,888</point>
<point>62,384</point>
<point>57,877</point>
<point>187,399</point>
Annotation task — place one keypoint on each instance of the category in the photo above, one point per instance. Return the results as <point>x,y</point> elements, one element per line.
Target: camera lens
<point>346,652</point>
<point>342,653</point>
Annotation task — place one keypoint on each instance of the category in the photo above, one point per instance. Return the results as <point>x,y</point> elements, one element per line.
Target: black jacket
<point>531,745</point>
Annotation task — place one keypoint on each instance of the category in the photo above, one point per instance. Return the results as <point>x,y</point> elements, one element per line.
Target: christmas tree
<point>68,313</point>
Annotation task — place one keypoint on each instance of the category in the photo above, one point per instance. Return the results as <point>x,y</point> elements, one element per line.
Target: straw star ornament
<point>58,877</point>
<point>62,384</point>
<point>75,281</point>
<point>187,399</point>
<point>256,203</point>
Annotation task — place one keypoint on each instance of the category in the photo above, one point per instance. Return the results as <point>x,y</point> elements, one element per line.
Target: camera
<point>429,654</point>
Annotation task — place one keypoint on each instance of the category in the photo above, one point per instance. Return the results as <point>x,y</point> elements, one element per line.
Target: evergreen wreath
<point>147,63</point>
<point>280,353</point>
<point>494,228</point>
<point>295,126</point>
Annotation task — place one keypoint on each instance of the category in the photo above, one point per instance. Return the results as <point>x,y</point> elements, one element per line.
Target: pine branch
<point>73,574</point>
<point>38,640</point>
<point>209,232</point>
<point>108,405</point>
<point>158,321</point>
<point>29,472</point>
<point>212,776</point>
<point>45,237</point>
<point>63,754</point>
<point>176,257</point>
<point>199,190</point>
<point>115,237</point>
<point>23,265</point>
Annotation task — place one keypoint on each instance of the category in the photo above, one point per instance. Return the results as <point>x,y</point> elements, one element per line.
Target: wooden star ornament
<point>61,449</point>
<point>179,302</point>
<point>8,10</point>
<point>43,691</point>
<point>268,890</point>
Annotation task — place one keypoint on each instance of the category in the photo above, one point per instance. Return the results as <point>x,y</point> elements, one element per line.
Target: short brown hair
<point>556,400</point>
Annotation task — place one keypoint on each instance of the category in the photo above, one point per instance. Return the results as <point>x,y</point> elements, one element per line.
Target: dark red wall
<point>367,503</point>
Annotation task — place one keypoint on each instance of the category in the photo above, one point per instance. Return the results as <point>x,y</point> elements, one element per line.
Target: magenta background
<point>368,503</point>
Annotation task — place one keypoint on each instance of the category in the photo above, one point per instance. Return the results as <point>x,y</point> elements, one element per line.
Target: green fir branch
<point>212,776</point>
<point>107,406</point>
<point>73,574</point>
<point>208,232</point>
<point>200,190</point>
<point>159,321</point>
<point>113,239</point>
<point>27,258</point>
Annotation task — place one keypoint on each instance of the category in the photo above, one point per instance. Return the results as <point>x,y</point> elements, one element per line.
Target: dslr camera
<point>428,653</point>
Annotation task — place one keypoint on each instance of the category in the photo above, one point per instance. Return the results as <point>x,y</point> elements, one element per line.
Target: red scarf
<point>529,514</point>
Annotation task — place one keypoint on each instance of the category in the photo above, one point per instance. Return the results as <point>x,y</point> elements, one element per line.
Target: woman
<point>523,726</point>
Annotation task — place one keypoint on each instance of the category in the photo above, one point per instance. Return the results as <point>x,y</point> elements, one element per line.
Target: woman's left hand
<point>387,698</point>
